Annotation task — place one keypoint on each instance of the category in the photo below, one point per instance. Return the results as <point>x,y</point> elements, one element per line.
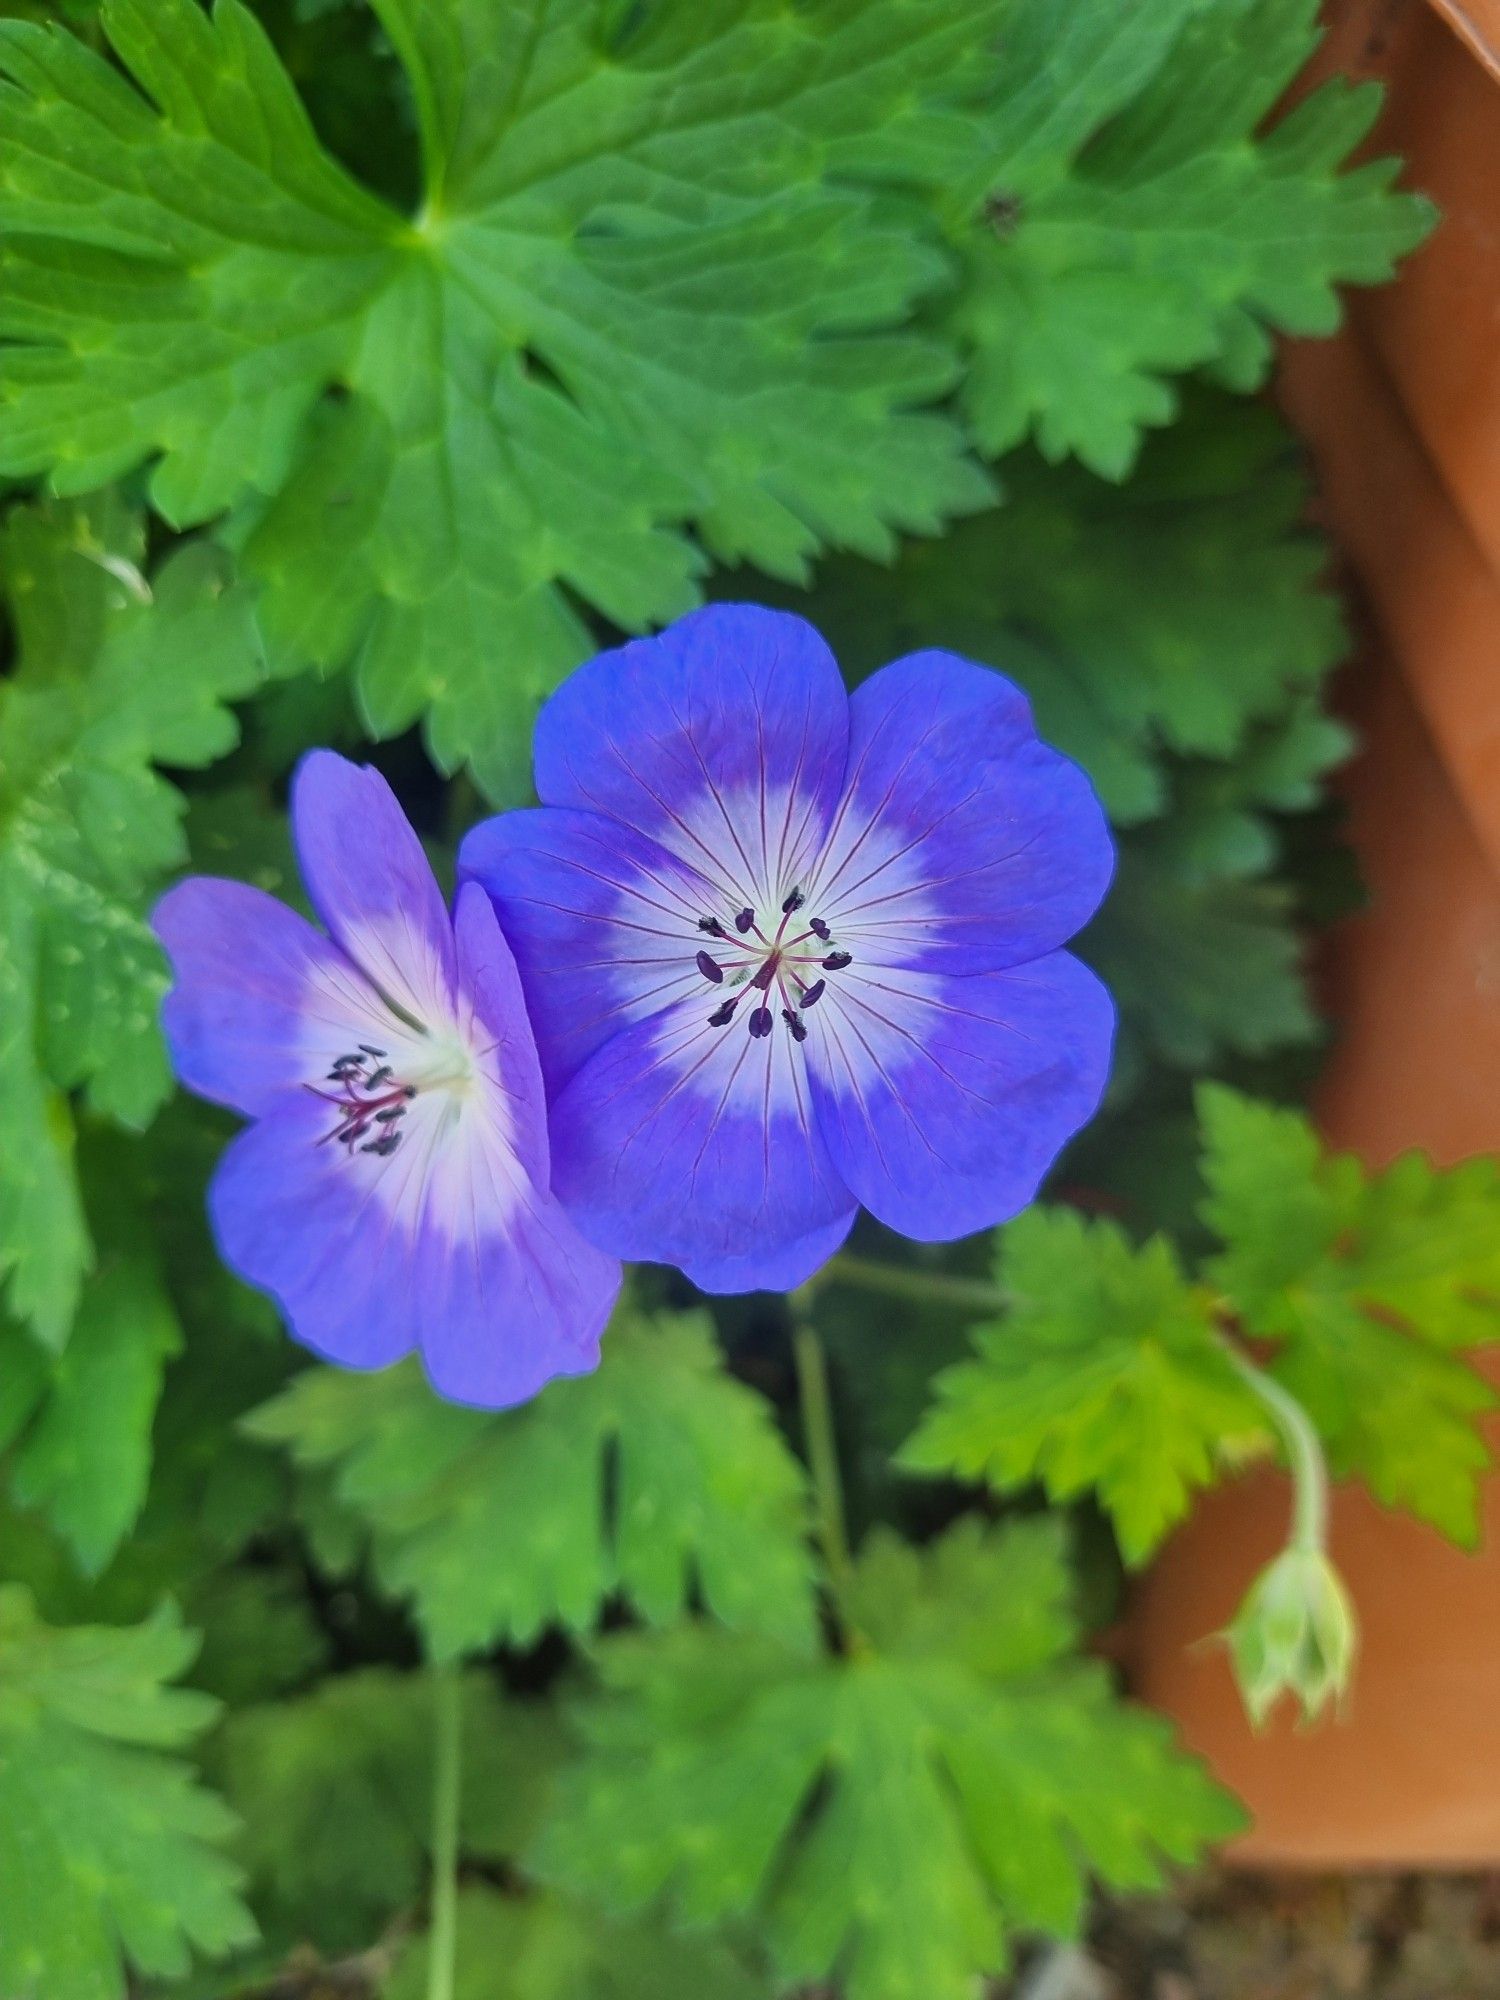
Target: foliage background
<point>363,368</point>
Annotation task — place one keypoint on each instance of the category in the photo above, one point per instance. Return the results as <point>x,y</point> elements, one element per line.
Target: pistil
<point>781,966</point>
<point>366,1098</point>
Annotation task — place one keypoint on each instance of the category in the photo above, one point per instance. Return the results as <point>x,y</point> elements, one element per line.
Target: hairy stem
<point>822,1454</point>
<point>1304,1451</point>
<point>899,1281</point>
<point>447,1775</point>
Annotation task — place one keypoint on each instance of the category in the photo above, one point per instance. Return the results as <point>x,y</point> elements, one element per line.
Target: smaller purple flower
<point>790,951</point>
<point>393,1191</point>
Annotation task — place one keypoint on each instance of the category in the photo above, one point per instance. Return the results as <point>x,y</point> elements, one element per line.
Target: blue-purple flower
<point>393,1189</point>
<point>789,952</point>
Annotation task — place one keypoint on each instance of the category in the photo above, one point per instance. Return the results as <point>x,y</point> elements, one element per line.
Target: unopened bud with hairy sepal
<point>1295,1633</point>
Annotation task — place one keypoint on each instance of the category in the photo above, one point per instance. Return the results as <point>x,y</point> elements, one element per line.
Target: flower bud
<point>1295,1632</point>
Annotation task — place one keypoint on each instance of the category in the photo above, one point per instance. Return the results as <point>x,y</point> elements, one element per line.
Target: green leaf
<point>1105,1373</point>
<point>658,1476</point>
<point>650,285</point>
<point>108,1845</point>
<point>1106,602</point>
<point>260,1634</point>
<point>1199,966</point>
<point>113,676</point>
<point>1135,217</point>
<point>891,1814</point>
<point>1216,827</point>
<point>1373,1284</point>
<point>86,1458</point>
<point>553,1948</point>
<point>334,1792</point>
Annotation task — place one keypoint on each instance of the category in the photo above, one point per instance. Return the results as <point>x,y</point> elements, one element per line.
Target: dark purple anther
<point>709,969</point>
<point>795,1023</point>
<point>378,1077</point>
<point>760,1022</point>
<point>744,921</point>
<point>814,993</point>
<point>711,926</point>
<point>837,960</point>
<point>819,929</point>
<point>722,1016</point>
<point>793,902</point>
<point>367,1050</point>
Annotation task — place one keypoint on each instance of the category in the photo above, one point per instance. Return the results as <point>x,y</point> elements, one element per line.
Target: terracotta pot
<point>1403,416</point>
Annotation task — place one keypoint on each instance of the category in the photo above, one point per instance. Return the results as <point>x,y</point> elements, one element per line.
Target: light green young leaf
<point>552,1948</point>
<point>659,1476</point>
<point>108,1845</point>
<point>113,676</point>
<point>1105,1374</point>
<point>1133,217</point>
<point>649,286</point>
<point>892,1814</point>
<point>334,1792</point>
<point>1373,1284</point>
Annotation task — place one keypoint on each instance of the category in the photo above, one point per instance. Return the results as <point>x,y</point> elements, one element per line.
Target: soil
<point>1235,1936</point>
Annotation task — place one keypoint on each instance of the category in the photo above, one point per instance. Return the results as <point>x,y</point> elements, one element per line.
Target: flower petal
<point>500,1027</point>
<point>603,922</point>
<point>685,1144</point>
<point>446,1245</point>
<point>260,1001</point>
<point>298,1217</point>
<point>963,844</point>
<point>777,1270</point>
<point>944,1101</point>
<point>724,739</point>
<point>526,1306</point>
<point>370,882</point>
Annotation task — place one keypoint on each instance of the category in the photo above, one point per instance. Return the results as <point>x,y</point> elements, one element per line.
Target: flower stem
<point>822,1454</point>
<point>926,1287</point>
<point>447,1775</point>
<point>1304,1452</point>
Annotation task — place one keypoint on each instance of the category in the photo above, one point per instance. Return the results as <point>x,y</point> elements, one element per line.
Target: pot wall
<point>1402,413</point>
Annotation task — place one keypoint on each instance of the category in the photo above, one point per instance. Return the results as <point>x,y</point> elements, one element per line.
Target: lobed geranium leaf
<point>1373,1284</point>
<point>114,675</point>
<point>85,1458</point>
<point>333,1789</point>
<point>1172,635</point>
<point>1202,952</point>
<point>1104,1374</point>
<point>659,1477</point>
<point>654,301</point>
<point>1134,216</point>
<point>1199,964</point>
<point>888,1816</point>
<point>109,1847</point>
<point>645,288</point>
<point>1174,614</point>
